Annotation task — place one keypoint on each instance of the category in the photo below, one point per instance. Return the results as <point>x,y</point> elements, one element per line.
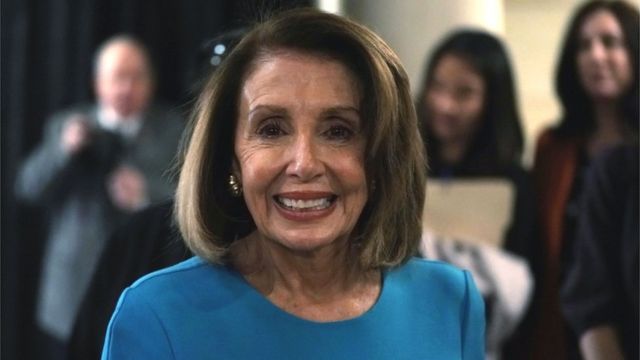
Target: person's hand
<point>75,134</point>
<point>127,188</point>
<point>601,342</point>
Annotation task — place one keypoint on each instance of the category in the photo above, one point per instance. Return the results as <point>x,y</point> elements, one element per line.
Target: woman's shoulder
<point>431,275</point>
<point>153,306</point>
<point>552,138</point>
<point>518,175</point>
<point>556,150</point>
<point>547,138</point>
<point>180,278</point>
<point>418,266</point>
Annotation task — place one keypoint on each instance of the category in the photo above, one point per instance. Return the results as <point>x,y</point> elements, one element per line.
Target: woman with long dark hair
<point>597,85</point>
<point>471,126</point>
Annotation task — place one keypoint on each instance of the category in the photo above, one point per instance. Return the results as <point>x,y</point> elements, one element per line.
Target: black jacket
<point>147,242</point>
<point>601,287</point>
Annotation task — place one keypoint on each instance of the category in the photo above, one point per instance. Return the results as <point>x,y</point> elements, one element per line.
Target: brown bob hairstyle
<point>389,228</point>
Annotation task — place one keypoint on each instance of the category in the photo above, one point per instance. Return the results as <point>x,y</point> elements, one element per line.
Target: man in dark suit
<point>96,164</point>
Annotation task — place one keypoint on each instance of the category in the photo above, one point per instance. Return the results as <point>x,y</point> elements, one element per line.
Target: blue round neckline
<point>256,297</point>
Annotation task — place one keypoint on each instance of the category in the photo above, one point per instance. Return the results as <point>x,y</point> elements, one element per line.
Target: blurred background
<point>48,47</point>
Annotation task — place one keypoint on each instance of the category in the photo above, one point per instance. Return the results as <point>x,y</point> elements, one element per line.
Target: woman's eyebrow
<point>336,110</point>
<point>272,109</point>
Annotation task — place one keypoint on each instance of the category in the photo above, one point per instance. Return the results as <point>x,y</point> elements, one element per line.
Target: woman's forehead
<point>300,74</point>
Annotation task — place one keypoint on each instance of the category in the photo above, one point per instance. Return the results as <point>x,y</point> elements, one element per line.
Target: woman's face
<point>603,62</point>
<point>454,100</point>
<point>299,150</point>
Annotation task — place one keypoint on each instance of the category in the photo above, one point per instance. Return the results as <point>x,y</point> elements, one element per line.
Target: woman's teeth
<point>302,205</point>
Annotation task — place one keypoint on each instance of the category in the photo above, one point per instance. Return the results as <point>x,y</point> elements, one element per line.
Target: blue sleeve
<point>472,321</point>
<point>135,331</point>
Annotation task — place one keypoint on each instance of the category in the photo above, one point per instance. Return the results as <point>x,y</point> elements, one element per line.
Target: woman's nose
<point>597,51</point>
<point>444,104</point>
<point>304,163</point>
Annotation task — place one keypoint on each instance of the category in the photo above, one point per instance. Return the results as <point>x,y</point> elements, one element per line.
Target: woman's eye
<point>436,86</point>
<point>463,93</point>
<point>611,42</point>
<point>338,132</point>
<point>584,45</point>
<point>270,130</point>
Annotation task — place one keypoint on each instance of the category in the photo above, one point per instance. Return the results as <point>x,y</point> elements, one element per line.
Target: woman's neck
<point>452,152</point>
<point>607,114</point>
<point>309,284</point>
<point>609,128</point>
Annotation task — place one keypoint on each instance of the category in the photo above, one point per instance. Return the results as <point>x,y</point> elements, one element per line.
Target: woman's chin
<point>308,243</point>
<point>604,92</point>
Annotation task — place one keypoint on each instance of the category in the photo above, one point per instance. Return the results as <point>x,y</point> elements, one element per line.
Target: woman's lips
<point>305,206</point>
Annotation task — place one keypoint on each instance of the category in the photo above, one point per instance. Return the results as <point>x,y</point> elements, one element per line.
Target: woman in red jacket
<point>597,84</point>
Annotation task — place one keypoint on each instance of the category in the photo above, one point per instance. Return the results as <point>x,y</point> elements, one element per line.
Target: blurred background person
<point>96,164</point>
<point>471,124</point>
<point>600,292</point>
<point>597,85</point>
<point>148,241</point>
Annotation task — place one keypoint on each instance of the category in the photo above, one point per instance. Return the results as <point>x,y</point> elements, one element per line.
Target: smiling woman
<point>300,152</point>
<point>301,193</point>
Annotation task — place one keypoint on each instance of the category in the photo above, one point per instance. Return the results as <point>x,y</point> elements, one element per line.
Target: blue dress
<point>195,310</point>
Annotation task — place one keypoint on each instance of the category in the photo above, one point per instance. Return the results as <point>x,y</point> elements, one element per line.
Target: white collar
<point>128,126</point>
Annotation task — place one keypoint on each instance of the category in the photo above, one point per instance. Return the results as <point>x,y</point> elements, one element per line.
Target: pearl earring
<point>234,186</point>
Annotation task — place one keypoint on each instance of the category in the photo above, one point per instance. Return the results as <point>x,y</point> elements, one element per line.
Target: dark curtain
<point>46,64</point>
